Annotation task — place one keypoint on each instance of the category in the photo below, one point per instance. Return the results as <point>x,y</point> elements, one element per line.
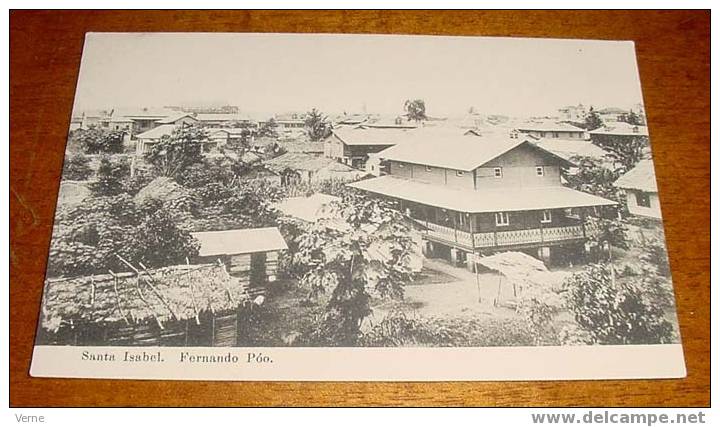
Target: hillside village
<point>208,226</point>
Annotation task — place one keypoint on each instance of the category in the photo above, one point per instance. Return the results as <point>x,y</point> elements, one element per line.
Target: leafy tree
<point>239,205</point>
<point>633,118</point>
<point>110,177</point>
<point>98,141</point>
<point>205,172</point>
<point>77,168</point>
<point>594,178</point>
<point>415,109</point>
<point>593,120</point>
<point>268,129</point>
<point>177,151</point>
<point>87,237</point>
<point>317,125</point>
<point>612,311</point>
<point>371,254</point>
<point>626,152</point>
<point>612,231</point>
<point>161,241</point>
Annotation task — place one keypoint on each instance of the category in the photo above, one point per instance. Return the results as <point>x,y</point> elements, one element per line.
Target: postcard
<point>357,208</point>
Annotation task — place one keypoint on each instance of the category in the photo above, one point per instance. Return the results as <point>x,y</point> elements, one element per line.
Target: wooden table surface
<point>673,50</point>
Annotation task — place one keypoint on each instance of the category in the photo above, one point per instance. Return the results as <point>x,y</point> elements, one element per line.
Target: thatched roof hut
<point>170,293</point>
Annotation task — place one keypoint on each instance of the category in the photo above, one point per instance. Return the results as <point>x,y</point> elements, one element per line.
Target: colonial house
<point>617,131</point>
<point>181,119</point>
<point>641,190</point>
<point>351,146</point>
<point>225,136</point>
<point>473,195</point>
<point>552,130</point>
<point>573,113</point>
<point>612,114</point>
<point>145,140</point>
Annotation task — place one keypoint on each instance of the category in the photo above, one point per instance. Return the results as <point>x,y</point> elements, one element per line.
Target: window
<point>546,217</point>
<point>428,168</point>
<point>502,219</point>
<point>459,173</point>
<point>540,170</point>
<point>556,135</point>
<point>497,172</point>
<point>643,199</point>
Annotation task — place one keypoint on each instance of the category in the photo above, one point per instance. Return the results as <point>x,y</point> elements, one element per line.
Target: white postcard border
<point>364,364</point>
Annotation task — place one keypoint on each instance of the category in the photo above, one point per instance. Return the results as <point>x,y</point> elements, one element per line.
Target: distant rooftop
<point>549,127</point>
<point>621,129</point>
<point>370,136</point>
<point>641,177</point>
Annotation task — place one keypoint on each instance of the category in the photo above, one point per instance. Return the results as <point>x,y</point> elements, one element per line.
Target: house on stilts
<point>474,195</point>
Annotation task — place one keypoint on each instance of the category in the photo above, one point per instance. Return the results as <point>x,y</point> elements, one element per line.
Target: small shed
<point>250,255</point>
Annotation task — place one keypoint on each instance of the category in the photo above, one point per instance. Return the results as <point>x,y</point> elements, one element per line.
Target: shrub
<point>77,168</point>
<point>612,311</point>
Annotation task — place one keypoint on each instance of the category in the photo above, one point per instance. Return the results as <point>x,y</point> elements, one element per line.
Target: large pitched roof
<point>476,201</point>
<point>244,241</point>
<point>641,177</point>
<point>455,149</point>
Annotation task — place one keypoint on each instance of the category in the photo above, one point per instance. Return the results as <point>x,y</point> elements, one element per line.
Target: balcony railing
<point>506,238</point>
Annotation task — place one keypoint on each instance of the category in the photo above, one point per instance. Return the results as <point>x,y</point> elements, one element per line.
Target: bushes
<point>611,311</point>
<point>110,177</point>
<point>77,168</point>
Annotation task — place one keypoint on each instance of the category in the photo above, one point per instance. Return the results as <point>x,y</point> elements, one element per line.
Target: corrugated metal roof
<point>496,200</point>
<point>453,149</point>
<point>641,177</point>
<point>244,241</point>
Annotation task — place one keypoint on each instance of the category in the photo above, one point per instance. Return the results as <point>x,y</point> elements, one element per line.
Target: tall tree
<point>415,110</point>
<point>626,152</point>
<point>593,120</point>
<point>98,141</point>
<point>372,253</point>
<point>633,118</point>
<point>177,151</point>
<point>77,168</point>
<point>317,125</point>
<point>111,176</point>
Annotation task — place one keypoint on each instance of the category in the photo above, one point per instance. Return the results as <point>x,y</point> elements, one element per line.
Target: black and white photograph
<point>224,194</point>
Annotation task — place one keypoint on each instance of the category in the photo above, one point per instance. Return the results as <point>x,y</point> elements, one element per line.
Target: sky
<point>355,73</point>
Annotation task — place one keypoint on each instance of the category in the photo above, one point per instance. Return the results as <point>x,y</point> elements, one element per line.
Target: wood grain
<point>674,60</point>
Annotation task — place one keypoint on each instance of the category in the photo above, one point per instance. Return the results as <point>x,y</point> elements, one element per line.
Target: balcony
<point>533,236</point>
